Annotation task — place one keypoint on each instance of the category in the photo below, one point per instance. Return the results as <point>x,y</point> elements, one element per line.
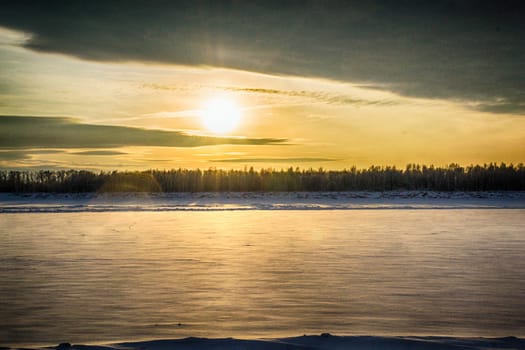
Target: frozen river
<point>111,276</point>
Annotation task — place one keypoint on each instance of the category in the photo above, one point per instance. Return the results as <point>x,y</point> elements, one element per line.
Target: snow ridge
<point>209,201</point>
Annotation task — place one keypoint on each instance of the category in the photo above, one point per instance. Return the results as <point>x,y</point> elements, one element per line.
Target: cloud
<point>311,95</point>
<point>43,151</point>
<point>319,96</point>
<point>25,153</point>
<point>502,107</point>
<point>273,160</point>
<point>46,132</point>
<point>99,153</point>
<point>157,86</point>
<point>14,155</point>
<point>461,50</point>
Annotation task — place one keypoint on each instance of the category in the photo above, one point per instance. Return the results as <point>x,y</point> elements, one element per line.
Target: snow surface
<point>103,202</point>
<point>317,342</point>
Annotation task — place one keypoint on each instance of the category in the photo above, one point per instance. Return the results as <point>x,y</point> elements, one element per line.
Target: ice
<point>108,202</point>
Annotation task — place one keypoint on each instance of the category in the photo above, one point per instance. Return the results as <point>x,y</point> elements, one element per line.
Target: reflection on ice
<point>108,277</point>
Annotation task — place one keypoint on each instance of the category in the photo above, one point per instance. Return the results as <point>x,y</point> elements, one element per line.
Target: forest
<point>487,177</point>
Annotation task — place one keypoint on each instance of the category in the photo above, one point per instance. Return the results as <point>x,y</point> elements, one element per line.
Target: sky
<point>131,85</point>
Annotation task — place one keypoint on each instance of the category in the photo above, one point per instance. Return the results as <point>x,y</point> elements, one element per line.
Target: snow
<point>104,202</point>
<point>311,342</point>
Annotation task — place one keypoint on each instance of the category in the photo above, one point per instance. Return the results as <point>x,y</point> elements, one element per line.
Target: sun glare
<point>221,115</point>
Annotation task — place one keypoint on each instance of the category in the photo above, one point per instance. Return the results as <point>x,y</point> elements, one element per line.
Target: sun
<point>221,115</point>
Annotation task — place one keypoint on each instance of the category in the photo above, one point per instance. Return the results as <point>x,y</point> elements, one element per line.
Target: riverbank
<point>100,202</point>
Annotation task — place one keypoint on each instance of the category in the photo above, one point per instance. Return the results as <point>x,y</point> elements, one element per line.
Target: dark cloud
<point>43,151</point>
<point>45,132</point>
<point>25,153</point>
<point>14,155</point>
<point>99,153</point>
<point>455,49</point>
<point>273,160</point>
<point>503,107</point>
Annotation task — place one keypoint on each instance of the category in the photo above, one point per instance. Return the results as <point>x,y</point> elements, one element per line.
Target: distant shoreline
<point>415,177</point>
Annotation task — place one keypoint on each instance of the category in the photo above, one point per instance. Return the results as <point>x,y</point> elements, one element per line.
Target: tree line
<point>488,177</point>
